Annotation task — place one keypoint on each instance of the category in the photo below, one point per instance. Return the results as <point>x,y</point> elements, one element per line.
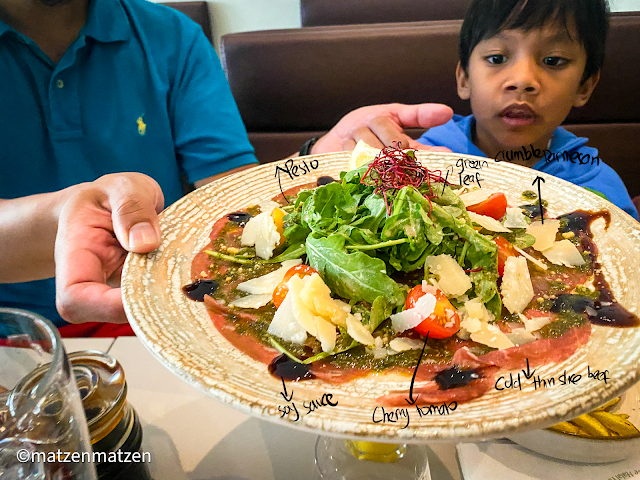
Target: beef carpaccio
<point>375,270</point>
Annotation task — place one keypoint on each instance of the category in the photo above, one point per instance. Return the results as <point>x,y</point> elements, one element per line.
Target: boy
<point>523,65</point>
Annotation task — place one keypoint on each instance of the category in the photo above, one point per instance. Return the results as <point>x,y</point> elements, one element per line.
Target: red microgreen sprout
<point>394,168</point>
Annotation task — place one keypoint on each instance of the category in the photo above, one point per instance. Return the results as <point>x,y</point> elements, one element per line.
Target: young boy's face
<point>522,86</point>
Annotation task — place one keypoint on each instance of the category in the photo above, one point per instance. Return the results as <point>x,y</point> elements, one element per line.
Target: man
<point>92,87</point>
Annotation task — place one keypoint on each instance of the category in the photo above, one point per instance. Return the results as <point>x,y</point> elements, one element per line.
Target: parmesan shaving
<point>450,276</point>
<point>489,223</point>
<point>252,301</point>
<point>516,288</point>
<point>545,233</point>
<point>515,218</point>
<point>359,332</point>
<point>412,317</point>
<point>564,253</point>
<point>535,261</point>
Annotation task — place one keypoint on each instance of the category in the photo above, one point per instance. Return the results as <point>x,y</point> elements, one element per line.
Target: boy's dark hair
<point>486,18</point>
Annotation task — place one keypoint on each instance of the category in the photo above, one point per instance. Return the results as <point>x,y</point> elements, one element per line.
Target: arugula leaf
<point>354,276</point>
<point>292,252</point>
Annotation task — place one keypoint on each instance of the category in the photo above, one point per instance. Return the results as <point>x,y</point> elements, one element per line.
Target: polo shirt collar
<point>4,28</point>
<point>106,21</point>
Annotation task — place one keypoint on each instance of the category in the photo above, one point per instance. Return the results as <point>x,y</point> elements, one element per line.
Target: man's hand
<point>97,226</point>
<point>383,125</point>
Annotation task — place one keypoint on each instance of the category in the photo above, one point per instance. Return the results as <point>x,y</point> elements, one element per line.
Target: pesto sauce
<point>567,321</point>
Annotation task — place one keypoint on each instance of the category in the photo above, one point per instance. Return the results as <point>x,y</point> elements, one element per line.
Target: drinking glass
<point>43,430</point>
<point>340,459</point>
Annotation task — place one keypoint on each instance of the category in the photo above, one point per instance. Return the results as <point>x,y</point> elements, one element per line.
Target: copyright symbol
<point>23,455</point>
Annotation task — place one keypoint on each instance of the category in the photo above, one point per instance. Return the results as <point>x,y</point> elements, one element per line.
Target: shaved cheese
<point>402,344</point>
<point>564,253</point>
<point>519,336</point>
<point>315,325</point>
<point>412,317</point>
<point>252,301</point>
<point>471,324</point>
<point>475,309</point>
<point>326,334</point>
<point>515,218</point>
<point>316,296</point>
<point>492,336</point>
<point>534,324</point>
<point>451,277</point>
<point>359,332</point>
<point>489,223</point>
<point>516,288</point>
<point>378,350</point>
<point>535,261</point>
<point>285,325</point>
<point>262,232</point>
<point>267,283</point>
<point>476,196</point>
<point>545,234</point>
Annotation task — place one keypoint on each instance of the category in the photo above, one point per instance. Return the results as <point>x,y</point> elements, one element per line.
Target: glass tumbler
<point>43,430</point>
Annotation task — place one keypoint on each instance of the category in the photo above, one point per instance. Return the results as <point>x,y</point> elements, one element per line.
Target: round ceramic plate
<point>181,335</point>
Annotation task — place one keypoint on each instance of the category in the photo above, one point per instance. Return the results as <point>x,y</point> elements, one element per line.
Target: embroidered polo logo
<point>142,127</point>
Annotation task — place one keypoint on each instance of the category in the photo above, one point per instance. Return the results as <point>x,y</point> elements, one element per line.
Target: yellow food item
<point>567,427</point>
<point>278,215</point>
<point>376,452</point>
<point>591,426</point>
<point>607,406</point>
<point>362,154</point>
<point>616,423</point>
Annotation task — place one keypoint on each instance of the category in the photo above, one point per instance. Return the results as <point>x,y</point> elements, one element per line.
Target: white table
<point>192,436</point>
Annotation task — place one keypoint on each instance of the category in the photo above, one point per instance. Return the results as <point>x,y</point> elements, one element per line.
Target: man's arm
<point>28,228</point>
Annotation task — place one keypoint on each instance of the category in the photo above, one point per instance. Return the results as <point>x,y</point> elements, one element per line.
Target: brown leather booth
<point>292,84</point>
<point>314,13</point>
<point>196,11</point>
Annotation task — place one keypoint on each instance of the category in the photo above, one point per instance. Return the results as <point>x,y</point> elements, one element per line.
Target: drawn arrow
<point>412,400</point>
<point>528,374</point>
<point>540,181</point>
<point>280,185</point>
<point>444,185</point>
<point>284,395</point>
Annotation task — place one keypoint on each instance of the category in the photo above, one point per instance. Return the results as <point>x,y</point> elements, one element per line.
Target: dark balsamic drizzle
<point>241,218</point>
<point>290,370</point>
<point>454,377</point>
<point>325,180</point>
<point>198,289</point>
<point>605,310</point>
<point>533,211</point>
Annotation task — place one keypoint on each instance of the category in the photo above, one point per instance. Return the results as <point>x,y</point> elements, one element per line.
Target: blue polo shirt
<point>457,135</point>
<point>141,89</point>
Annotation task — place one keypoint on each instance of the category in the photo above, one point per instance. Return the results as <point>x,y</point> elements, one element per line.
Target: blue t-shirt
<point>456,135</point>
<point>141,89</point>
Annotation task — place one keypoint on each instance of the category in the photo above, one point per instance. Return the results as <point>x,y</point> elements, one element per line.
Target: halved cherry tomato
<point>495,206</point>
<point>443,322</point>
<point>282,289</point>
<point>505,250</point>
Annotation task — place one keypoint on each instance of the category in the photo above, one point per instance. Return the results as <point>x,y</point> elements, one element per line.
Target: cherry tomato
<point>495,206</point>
<point>505,250</point>
<point>282,289</point>
<point>443,322</point>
